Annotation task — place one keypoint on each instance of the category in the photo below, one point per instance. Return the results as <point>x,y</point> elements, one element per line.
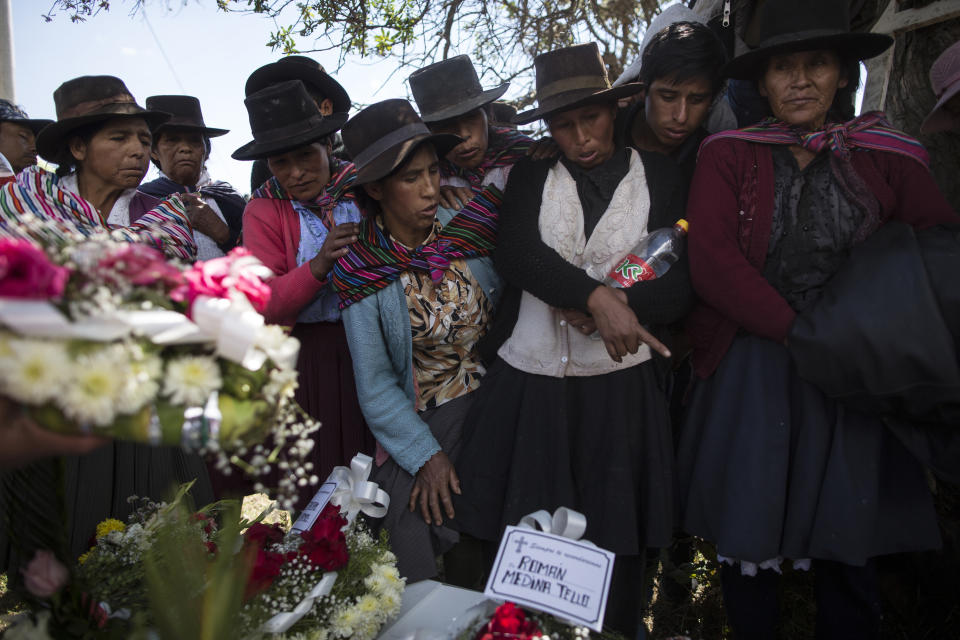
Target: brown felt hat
<point>302,68</point>
<point>380,138</point>
<point>450,88</point>
<point>185,112</point>
<point>569,78</point>
<point>88,99</point>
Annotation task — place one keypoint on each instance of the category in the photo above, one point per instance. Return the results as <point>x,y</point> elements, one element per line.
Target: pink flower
<point>45,575</point>
<point>237,271</point>
<point>140,265</point>
<point>27,272</point>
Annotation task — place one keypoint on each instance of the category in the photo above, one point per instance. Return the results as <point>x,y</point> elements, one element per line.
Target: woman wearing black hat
<point>298,223</point>
<point>770,467</point>
<point>451,100</point>
<point>563,419</point>
<point>418,290</point>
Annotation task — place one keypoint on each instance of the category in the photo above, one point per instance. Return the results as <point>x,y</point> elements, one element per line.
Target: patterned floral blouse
<point>447,320</point>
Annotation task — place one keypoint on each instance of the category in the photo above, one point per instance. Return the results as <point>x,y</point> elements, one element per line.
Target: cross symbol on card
<point>521,543</point>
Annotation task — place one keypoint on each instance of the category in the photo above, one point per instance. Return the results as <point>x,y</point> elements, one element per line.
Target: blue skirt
<point>769,466</point>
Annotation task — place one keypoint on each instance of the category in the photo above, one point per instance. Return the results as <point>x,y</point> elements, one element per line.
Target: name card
<point>316,505</point>
<point>560,576</point>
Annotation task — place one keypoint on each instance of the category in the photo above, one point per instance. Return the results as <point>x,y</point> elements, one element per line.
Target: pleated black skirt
<point>600,445</point>
<point>769,466</point>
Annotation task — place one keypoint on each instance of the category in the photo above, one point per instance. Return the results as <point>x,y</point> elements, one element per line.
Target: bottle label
<point>633,269</point>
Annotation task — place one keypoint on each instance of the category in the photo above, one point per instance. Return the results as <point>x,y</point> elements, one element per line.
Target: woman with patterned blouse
<point>417,292</point>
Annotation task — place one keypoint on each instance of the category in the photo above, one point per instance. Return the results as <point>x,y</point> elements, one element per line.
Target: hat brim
<point>466,106</point>
<point>35,125</point>
<point>51,138</point>
<point>575,99</point>
<point>276,72</point>
<point>861,46</point>
<point>393,157</point>
<point>939,119</point>
<point>254,150</point>
<point>209,132</point>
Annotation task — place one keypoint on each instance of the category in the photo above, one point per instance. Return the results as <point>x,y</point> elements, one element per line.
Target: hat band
<point>571,84</point>
<point>288,130</point>
<point>85,108</point>
<point>949,82</point>
<point>393,138</point>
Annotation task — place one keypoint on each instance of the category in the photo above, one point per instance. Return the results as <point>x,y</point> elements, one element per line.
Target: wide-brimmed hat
<point>450,88</point>
<point>185,112</point>
<point>502,113</point>
<point>945,80</point>
<point>86,100</point>
<point>787,26</point>
<point>10,112</point>
<point>284,117</point>
<point>572,77</point>
<point>380,138</point>
<point>302,68</point>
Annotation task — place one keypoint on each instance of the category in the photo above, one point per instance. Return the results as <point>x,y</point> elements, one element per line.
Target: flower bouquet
<point>169,572</point>
<point>112,338</point>
<point>487,621</point>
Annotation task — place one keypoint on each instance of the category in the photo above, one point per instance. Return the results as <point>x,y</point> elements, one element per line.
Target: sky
<point>175,47</point>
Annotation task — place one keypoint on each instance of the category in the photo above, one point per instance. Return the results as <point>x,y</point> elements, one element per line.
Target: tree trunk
<point>910,97</point>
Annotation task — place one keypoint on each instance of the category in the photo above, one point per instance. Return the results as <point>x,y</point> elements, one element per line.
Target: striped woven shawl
<point>868,131</point>
<point>505,147</point>
<point>37,192</point>
<point>342,176</point>
<point>374,261</point>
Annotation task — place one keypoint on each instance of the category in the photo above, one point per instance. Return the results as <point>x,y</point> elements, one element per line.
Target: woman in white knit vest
<point>563,418</point>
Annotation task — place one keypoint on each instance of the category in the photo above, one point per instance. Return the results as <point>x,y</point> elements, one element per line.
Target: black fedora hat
<point>88,99</point>
<point>10,112</point>
<point>572,77</point>
<point>284,117</point>
<point>450,88</point>
<point>787,26</point>
<point>185,112</point>
<point>302,68</point>
<point>381,136</point>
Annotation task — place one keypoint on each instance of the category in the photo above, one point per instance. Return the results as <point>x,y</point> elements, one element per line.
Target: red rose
<point>324,545</point>
<point>263,535</point>
<point>208,522</point>
<point>509,620</point>
<point>266,567</point>
<point>140,265</point>
<point>27,272</point>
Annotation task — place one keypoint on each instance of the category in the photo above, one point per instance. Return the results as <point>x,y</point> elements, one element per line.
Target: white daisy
<point>35,370</point>
<point>143,381</point>
<point>96,382</point>
<point>191,379</point>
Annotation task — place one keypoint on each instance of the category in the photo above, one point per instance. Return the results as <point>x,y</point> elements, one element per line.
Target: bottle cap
<point>683,224</point>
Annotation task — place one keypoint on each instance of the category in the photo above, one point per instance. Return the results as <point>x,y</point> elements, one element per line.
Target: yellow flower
<point>84,557</point>
<point>108,525</point>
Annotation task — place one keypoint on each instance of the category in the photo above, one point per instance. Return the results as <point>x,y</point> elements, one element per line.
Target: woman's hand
<point>432,486</point>
<point>22,440</point>
<point>334,248</point>
<point>455,197</point>
<point>204,219</point>
<point>579,321</point>
<point>622,333</point>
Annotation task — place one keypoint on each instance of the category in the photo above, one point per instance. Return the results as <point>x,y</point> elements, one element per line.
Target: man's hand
<point>334,248</point>
<point>455,197</point>
<point>431,488</point>
<point>543,148</point>
<point>204,219</point>
<point>579,321</point>
<point>22,440</point>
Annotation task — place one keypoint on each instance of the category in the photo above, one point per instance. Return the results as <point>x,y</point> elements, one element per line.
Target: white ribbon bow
<point>564,522</point>
<point>354,493</point>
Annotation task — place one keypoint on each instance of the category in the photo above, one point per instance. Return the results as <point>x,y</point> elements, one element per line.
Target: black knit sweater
<point>526,263</point>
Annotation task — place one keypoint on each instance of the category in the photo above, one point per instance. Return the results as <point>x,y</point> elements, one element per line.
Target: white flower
<point>345,622</point>
<point>281,385</point>
<point>35,370</point>
<point>390,602</point>
<point>96,382</point>
<point>191,379</point>
<point>143,381</point>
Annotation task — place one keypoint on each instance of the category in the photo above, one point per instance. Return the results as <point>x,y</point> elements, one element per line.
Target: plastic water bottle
<point>651,257</point>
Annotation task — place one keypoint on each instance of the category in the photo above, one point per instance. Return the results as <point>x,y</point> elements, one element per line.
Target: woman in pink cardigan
<point>298,224</point>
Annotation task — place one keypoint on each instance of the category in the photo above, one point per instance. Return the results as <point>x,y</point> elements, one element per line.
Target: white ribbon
<point>354,493</point>
<point>564,522</point>
<point>237,330</point>
<point>283,621</point>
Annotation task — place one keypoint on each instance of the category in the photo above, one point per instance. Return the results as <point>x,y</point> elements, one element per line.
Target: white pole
<point>6,51</point>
